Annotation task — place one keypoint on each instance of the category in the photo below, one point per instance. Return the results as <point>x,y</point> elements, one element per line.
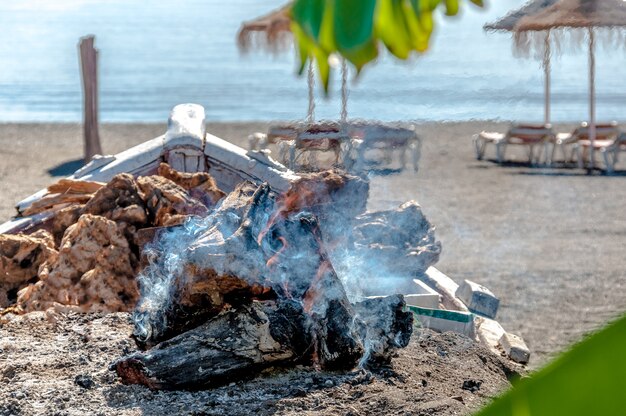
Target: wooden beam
<point>89,71</point>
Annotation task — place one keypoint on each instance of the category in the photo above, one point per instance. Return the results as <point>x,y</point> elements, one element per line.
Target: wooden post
<point>89,71</point>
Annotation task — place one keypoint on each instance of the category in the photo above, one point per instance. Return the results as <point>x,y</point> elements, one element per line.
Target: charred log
<point>384,326</point>
<point>236,343</point>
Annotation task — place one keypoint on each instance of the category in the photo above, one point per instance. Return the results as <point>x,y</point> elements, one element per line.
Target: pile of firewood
<point>249,286</point>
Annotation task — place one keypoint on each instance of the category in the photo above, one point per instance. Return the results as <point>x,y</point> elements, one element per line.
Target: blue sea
<point>157,53</point>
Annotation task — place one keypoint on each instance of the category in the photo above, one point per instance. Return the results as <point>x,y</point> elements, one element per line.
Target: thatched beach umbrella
<point>509,22</point>
<point>563,20</point>
<point>273,33</point>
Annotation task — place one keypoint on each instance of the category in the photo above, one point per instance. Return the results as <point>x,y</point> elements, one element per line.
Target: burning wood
<point>235,277</point>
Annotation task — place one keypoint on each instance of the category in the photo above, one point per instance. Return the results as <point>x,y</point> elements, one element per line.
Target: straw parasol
<point>564,20</point>
<point>272,32</point>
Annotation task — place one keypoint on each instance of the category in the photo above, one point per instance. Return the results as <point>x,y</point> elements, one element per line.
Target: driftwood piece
<point>166,202</point>
<point>398,242</point>
<point>236,343</point>
<point>200,185</point>
<point>240,341</point>
<point>51,201</point>
<point>74,186</point>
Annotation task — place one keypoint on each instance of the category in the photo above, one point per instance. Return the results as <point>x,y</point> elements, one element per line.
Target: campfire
<point>221,286</point>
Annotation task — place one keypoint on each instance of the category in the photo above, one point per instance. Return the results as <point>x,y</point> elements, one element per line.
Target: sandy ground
<point>61,367</point>
<point>548,242</point>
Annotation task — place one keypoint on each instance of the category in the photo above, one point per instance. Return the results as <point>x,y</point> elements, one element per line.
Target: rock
<point>515,348</point>
<point>119,200</point>
<point>167,203</point>
<point>85,381</point>
<point>20,258</point>
<point>200,185</point>
<point>63,219</point>
<point>471,385</point>
<point>93,271</point>
<point>478,298</point>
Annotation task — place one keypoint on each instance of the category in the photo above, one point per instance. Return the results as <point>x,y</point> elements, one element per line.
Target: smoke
<point>160,280</point>
<point>385,251</point>
<point>255,244</point>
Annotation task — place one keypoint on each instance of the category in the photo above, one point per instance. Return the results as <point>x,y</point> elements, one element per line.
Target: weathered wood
<point>73,186</point>
<point>89,71</point>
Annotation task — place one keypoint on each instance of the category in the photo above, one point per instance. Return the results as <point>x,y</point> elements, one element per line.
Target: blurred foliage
<point>589,379</point>
<point>354,29</point>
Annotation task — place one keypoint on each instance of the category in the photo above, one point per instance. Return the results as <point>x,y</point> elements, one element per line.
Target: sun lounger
<point>531,136</point>
<point>317,137</point>
<point>609,143</point>
<point>385,137</point>
<point>563,140</point>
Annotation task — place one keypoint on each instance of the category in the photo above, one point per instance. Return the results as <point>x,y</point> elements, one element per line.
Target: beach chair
<point>609,143</point>
<point>324,137</point>
<point>563,140</point>
<point>532,136</point>
<point>387,138</point>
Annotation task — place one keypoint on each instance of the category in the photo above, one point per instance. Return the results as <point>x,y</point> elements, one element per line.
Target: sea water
<point>158,53</point>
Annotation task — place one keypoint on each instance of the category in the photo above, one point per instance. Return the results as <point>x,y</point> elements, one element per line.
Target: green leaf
<point>418,31</point>
<point>392,29</point>
<point>304,46</point>
<point>353,24</point>
<point>588,379</point>
<point>308,15</point>
<point>355,28</point>
<point>452,7</point>
<point>430,4</point>
<point>321,59</point>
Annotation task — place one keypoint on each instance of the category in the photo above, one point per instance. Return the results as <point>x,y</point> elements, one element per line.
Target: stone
<point>478,298</point>
<point>93,271</point>
<point>119,201</point>
<point>515,347</point>
<point>166,202</point>
<point>21,256</point>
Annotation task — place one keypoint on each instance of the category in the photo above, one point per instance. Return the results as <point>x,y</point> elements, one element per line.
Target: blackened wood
<point>234,344</point>
<point>383,326</point>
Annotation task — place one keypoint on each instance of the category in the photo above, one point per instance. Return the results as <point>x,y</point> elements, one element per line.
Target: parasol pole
<point>311,84</point>
<point>344,92</point>
<point>592,97</point>
<point>546,75</point>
